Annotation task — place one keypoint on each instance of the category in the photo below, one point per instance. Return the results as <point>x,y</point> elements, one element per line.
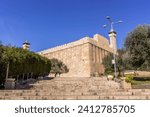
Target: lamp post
<point>112,35</point>
<point>7,71</point>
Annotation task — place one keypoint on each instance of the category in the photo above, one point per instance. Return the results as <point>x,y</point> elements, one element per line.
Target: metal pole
<point>115,66</point>
<point>114,52</point>
<point>7,71</point>
<point>111,29</point>
<point>115,69</point>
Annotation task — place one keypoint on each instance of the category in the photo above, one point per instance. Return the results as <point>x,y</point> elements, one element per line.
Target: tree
<point>137,45</point>
<point>109,67</point>
<point>2,65</point>
<point>22,62</point>
<point>58,67</point>
<point>107,62</point>
<point>120,61</point>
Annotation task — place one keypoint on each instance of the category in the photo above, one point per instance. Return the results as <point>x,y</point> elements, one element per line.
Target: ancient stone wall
<point>83,57</point>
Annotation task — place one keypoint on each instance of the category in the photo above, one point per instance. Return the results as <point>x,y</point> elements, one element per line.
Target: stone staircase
<point>75,88</point>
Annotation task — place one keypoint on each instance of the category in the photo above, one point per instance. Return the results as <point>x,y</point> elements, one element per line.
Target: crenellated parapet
<point>97,40</point>
<point>66,46</point>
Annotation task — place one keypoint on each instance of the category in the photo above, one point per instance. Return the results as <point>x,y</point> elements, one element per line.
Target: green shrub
<point>129,78</point>
<point>109,71</point>
<point>58,67</point>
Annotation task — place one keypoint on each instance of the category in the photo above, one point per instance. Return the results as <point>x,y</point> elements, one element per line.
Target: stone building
<point>83,57</point>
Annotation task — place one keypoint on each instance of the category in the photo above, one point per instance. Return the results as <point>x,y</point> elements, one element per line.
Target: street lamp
<point>112,35</point>
<point>112,23</point>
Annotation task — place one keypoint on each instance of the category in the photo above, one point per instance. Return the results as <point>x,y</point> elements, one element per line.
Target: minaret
<point>112,34</point>
<point>26,45</point>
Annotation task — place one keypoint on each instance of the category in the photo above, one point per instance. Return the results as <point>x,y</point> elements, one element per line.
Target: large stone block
<point>10,83</point>
<point>126,85</point>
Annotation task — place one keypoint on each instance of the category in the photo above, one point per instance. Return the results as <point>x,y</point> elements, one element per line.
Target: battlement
<point>97,40</point>
<point>68,45</point>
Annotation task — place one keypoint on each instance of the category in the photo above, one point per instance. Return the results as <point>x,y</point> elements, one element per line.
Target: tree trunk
<point>55,74</point>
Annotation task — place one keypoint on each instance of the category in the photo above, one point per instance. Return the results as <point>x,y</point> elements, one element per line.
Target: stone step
<point>75,88</point>
<point>76,78</point>
<point>100,90</point>
<point>88,93</point>
<point>139,97</point>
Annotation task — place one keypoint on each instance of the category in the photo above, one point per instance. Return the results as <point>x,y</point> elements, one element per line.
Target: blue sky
<point>48,23</point>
